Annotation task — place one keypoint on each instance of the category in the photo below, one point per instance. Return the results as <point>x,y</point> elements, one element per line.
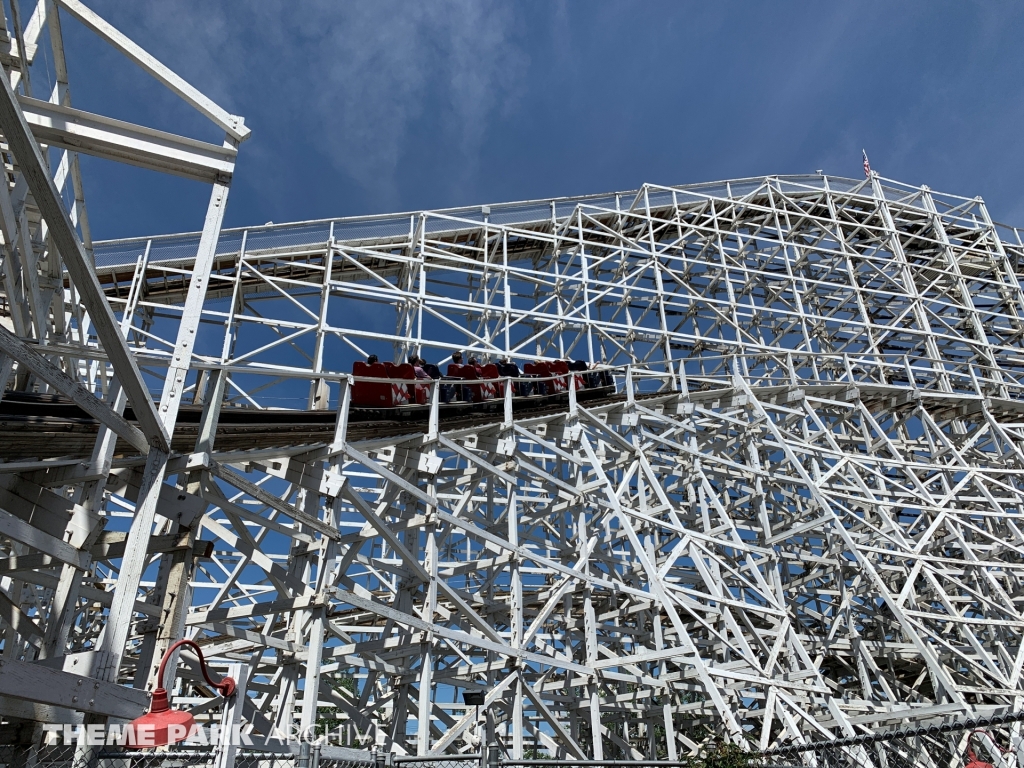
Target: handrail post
<point>910,372</point>
<point>435,407</point>
<point>508,401</point>
<point>849,368</point>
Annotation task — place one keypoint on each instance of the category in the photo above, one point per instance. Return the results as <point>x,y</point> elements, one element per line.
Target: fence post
<point>491,756</point>
<point>302,761</point>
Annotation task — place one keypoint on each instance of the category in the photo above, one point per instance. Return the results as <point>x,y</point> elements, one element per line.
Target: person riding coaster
<point>474,382</point>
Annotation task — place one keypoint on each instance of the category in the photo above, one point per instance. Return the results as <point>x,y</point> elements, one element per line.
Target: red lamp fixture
<point>973,761</point>
<point>163,725</point>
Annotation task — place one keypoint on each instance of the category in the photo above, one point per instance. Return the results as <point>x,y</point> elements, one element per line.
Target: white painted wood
<point>110,139</point>
<point>233,124</point>
<point>35,683</point>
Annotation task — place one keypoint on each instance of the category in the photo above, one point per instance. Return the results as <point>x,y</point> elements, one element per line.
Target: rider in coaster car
<point>417,367</point>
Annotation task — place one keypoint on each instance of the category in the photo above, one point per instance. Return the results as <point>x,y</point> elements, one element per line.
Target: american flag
<point>867,165</point>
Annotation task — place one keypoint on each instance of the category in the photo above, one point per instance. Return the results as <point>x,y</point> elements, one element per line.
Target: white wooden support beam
<point>20,621</point>
<point>30,160</point>
<point>116,632</point>
<point>272,501</point>
<point>56,378</point>
<point>39,684</point>
<point>104,137</point>
<point>233,124</point>
<point>231,718</point>
<point>19,530</point>
<point>24,709</point>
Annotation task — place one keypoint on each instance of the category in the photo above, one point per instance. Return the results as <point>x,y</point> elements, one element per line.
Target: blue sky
<point>366,107</point>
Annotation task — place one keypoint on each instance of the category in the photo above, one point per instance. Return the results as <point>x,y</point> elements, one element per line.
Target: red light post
<point>163,725</point>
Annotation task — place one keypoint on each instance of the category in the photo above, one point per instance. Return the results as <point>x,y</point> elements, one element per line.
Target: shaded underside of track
<point>48,426</point>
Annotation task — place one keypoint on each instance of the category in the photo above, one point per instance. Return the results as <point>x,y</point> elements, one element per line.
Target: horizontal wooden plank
<point>32,682</point>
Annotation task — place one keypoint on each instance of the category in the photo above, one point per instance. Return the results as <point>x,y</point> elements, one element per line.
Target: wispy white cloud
<point>348,79</point>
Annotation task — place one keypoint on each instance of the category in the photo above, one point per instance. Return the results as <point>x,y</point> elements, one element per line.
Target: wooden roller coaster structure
<point>792,511</point>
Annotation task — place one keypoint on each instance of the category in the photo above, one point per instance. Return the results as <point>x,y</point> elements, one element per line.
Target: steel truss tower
<point>798,518</point>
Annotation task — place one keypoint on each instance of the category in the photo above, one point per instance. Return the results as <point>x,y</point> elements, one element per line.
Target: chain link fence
<point>439,761</point>
<point>712,757</point>
<point>75,756</point>
<point>343,757</point>
<point>989,742</point>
